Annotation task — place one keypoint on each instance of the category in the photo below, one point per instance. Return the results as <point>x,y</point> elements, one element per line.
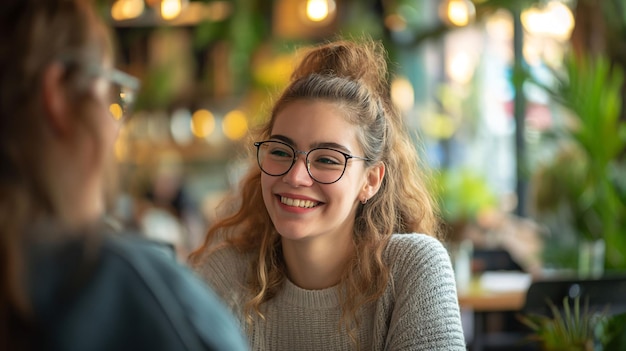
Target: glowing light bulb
<point>458,12</point>
<point>170,9</point>
<point>127,9</point>
<point>554,20</point>
<point>317,10</point>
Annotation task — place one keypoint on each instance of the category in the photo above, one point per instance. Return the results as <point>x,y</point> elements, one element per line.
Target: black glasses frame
<point>306,159</point>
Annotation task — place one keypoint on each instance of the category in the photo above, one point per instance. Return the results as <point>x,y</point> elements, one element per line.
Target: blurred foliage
<point>462,194</point>
<point>244,31</point>
<point>582,188</point>
<point>611,333</point>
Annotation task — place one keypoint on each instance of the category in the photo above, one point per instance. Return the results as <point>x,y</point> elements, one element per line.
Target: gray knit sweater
<point>418,311</point>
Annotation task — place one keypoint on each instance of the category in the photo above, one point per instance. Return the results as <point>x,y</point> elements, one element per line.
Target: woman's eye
<point>327,160</point>
<point>280,153</point>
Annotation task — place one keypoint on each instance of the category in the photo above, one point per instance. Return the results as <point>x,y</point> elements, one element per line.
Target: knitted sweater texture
<point>418,311</point>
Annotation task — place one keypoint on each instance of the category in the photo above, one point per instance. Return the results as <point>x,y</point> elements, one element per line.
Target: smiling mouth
<point>298,202</point>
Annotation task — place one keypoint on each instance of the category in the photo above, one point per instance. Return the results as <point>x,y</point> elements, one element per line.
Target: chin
<point>291,233</point>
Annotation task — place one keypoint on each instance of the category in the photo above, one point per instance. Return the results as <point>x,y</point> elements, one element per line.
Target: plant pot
<point>461,255</point>
<point>591,256</point>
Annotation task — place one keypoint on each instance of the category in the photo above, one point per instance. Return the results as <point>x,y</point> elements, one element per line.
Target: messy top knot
<point>365,62</point>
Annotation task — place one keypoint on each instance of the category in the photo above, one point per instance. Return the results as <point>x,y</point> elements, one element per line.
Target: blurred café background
<point>516,105</point>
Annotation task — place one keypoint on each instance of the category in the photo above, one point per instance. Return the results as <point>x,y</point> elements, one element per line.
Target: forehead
<point>312,122</point>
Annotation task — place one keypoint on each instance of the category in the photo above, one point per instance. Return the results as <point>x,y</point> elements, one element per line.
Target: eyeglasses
<point>324,165</point>
<point>122,88</point>
<point>122,92</point>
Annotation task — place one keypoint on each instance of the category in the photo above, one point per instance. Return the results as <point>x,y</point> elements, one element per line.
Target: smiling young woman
<point>332,242</point>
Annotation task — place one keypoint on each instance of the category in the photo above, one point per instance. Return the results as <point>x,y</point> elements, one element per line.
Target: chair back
<point>605,294</point>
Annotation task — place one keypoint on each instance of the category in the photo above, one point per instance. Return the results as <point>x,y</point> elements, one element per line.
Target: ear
<point>374,179</point>
<point>55,100</point>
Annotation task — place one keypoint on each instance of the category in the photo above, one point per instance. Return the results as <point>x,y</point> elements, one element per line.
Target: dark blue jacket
<point>123,293</point>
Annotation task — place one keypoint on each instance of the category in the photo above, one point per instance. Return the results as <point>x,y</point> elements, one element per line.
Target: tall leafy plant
<point>590,89</point>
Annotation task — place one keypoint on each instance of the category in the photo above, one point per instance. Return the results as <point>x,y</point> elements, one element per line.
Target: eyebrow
<point>314,145</point>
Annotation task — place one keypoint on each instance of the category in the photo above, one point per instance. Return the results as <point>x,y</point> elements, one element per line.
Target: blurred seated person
<point>164,211</point>
<point>67,282</point>
<point>504,241</point>
<point>165,188</point>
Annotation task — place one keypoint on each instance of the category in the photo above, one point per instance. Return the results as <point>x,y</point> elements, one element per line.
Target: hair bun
<point>364,61</point>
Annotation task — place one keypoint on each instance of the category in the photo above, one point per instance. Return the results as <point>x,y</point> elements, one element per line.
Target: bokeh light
<point>235,125</point>
<point>116,111</point>
<point>202,123</point>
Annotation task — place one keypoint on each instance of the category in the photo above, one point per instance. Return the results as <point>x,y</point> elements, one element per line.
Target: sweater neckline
<point>324,298</point>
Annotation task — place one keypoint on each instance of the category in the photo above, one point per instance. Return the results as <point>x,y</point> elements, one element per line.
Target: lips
<point>302,203</point>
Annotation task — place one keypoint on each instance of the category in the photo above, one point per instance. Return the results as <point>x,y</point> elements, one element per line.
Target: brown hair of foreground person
<point>35,34</point>
<point>69,283</point>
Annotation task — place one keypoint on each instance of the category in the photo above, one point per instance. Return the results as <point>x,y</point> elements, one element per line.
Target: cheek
<point>266,187</point>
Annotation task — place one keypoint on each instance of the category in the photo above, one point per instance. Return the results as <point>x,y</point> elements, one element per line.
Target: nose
<point>298,175</point>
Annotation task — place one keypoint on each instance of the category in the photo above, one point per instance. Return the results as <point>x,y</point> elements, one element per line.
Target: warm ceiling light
<point>458,12</point>
<point>317,10</point>
<point>127,9</point>
<point>553,20</point>
<point>171,9</point>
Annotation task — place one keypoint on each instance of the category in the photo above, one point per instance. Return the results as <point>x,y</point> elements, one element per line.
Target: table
<point>492,292</point>
<point>480,300</point>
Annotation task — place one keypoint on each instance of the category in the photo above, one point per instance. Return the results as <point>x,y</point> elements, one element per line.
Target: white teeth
<point>297,202</point>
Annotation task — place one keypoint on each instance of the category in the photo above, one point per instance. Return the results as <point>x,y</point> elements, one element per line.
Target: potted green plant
<point>582,188</point>
<point>576,328</point>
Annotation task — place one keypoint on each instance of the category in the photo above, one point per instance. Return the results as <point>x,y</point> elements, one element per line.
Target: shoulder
<point>222,257</point>
<point>170,283</point>
<point>415,247</point>
<point>416,257</point>
<point>140,293</point>
<point>222,262</point>
<point>226,270</point>
<point>425,311</point>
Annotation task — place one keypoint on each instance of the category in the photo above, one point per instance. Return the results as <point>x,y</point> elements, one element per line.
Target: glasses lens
<point>117,106</point>
<point>275,158</point>
<point>326,165</point>
<point>121,99</point>
<point>122,92</point>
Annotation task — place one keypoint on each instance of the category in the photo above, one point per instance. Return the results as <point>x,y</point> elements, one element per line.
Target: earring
<point>364,200</point>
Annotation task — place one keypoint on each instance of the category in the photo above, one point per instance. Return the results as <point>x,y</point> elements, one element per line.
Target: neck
<point>73,191</point>
<point>317,264</point>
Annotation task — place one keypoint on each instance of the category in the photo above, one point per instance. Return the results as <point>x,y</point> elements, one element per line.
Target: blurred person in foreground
<point>332,241</point>
<point>68,283</point>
